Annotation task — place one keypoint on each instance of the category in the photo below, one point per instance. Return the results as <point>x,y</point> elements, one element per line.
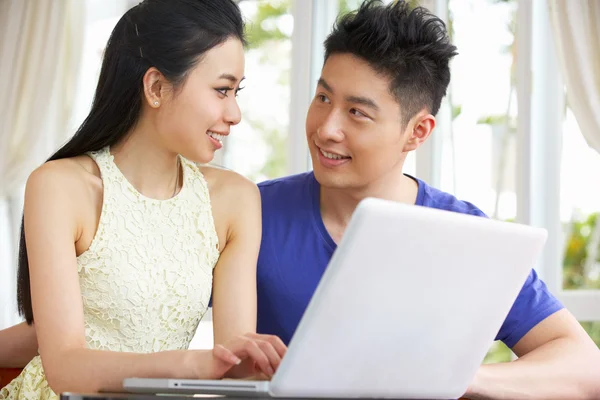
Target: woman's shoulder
<point>227,184</point>
<point>80,169</point>
<point>72,176</point>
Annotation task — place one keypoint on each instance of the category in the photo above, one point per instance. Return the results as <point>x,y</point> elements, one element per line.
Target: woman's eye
<point>223,91</point>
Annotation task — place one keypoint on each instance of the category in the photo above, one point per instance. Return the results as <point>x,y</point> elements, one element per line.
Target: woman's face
<point>193,120</point>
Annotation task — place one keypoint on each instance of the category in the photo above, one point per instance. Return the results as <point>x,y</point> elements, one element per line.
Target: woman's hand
<point>246,356</point>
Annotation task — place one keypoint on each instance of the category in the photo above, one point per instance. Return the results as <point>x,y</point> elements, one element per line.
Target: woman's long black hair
<point>170,35</point>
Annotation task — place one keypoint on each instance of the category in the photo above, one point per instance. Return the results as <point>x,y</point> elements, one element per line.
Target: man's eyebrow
<point>322,82</point>
<point>365,101</point>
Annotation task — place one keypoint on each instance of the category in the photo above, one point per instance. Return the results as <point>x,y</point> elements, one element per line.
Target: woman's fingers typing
<point>261,359</point>
<point>224,354</point>
<point>269,350</point>
<point>275,341</point>
<point>266,351</point>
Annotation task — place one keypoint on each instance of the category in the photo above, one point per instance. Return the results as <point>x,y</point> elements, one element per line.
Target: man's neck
<point>338,205</point>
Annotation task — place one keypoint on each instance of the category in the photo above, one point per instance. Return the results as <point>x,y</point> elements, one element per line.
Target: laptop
<point>408,307</point>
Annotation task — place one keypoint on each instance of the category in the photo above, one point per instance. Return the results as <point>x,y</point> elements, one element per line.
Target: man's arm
<point>18,345</point>
<point>557,360</point>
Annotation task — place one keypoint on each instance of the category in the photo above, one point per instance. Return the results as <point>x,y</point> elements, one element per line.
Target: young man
<point>386,71</point>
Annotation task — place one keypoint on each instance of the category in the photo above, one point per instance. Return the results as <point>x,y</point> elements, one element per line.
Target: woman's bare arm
<point>53,209</point>
<point>234,287</point>
<point>18,345</point>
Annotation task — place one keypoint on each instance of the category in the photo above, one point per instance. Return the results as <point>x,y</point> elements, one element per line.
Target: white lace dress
<point>146,278</point>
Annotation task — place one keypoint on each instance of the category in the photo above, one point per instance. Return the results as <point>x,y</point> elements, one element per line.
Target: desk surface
<point>125,396</point>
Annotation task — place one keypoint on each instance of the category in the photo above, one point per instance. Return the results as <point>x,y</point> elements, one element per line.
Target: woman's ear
<point>154,83</point>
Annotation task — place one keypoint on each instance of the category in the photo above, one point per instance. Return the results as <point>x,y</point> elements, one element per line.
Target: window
<point>479,151</point>
<point>580,212</point>
<point>580,208</point>
<point>257,147</point>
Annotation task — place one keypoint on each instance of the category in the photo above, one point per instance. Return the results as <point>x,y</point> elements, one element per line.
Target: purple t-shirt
<point>296,249</point>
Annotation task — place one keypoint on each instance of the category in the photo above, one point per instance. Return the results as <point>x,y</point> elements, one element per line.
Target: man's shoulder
<point>286,181</point>
<point>287,186</point>
<point>430,196</point>
<point>287,205</point>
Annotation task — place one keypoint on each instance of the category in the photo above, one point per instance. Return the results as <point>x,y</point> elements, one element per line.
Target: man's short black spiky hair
<point>409,46</point>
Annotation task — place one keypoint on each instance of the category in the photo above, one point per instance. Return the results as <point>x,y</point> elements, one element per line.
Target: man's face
<point>354,126</point>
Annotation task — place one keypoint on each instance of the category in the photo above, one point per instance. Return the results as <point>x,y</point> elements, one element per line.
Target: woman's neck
<point>151,168</point>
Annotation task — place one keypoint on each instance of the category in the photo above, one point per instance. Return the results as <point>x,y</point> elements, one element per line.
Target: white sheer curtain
<point>576,27</point>
<point>40,52</point>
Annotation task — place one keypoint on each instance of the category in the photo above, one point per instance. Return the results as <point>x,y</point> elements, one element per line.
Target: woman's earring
<point>156,103</point>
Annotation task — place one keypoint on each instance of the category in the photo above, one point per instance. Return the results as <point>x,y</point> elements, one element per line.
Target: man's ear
<point>418,130</point>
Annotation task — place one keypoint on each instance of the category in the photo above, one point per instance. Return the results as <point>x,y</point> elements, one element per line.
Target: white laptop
<point>408,307</point>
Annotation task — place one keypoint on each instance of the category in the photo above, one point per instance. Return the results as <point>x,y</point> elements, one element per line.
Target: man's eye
<point>357,113</point>
<point>322,98</point>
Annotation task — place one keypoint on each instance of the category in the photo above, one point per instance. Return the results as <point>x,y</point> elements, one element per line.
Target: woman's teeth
<point>216,136</point>
<point>332,156</point>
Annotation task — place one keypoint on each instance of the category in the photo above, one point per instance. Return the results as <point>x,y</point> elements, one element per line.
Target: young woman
<point>126,234</point>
